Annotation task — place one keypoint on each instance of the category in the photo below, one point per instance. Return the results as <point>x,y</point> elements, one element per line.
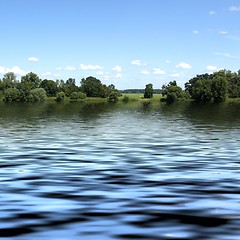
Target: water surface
<point>87,171</point>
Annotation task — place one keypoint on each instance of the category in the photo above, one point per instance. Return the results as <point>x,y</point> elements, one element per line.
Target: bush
<point>37,95</point>
<point>75,96</point>
<point>11,94</point>
<point>60,97</point>
<point>113,97</point>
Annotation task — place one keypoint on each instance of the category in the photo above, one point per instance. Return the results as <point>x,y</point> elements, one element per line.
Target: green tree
<point>148,93</point>
<point>37,95</point>
<point>219,87</point>
<point>11,94</point>
<point>113,97</point>
<point>173,93</point>
<point>50,87</point>
<point>9,80</point>
<point>32,80</point>
<point>93,87</point>
<point>70,86</point>
<point>75,96</point>
<point>60,96</point>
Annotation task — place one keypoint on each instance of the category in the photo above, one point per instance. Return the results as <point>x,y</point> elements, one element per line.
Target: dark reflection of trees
<point>222,114</point>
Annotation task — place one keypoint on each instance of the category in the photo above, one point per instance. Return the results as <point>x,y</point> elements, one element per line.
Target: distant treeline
<point>139,91</point>
<point>206,87</point>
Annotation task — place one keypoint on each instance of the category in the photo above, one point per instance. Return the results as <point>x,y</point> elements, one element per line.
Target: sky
<point>128,43</point>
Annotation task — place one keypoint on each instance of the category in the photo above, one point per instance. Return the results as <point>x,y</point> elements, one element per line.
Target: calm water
<point>119,172</point>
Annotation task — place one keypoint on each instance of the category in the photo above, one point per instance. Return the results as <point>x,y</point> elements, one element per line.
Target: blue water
<point>168,172</point>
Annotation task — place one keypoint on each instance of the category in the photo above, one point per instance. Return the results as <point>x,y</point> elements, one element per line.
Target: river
<point>115,171</point>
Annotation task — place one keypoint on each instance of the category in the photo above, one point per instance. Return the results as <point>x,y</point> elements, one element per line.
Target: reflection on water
<point>119,172</point>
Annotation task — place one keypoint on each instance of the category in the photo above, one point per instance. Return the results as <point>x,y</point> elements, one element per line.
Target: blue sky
<point>129,43</point>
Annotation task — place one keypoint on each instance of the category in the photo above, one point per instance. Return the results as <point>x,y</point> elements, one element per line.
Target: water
<point>119,172</point>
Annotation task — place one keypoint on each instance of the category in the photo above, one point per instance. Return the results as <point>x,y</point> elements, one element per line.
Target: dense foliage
<point>32,88</point>
<point>148,92</point>
<point>206,87</point>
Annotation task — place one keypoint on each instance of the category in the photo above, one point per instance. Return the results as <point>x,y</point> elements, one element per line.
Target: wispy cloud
<point>212,68</point>
<point>223,32</point>
<point>100,73</point>
<point>70,68</point>
<point>183,65</point>
<point>90,67</point>
<point>136,62</point>
<point>175,75</point>
<point>145,72</point>
<point>212,12</point>
<point>33,59</point>
<point>228,55</point>
<point>17,70</point>
<point>196,32</point>
<point>47,74</point>
<point>117,68</point>
<point>158,71</point>
<point>234,8</point>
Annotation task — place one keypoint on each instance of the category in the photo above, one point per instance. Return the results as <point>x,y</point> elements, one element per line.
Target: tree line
<point>214,87</point>
<point>30,88</point>
<point>206,87</point>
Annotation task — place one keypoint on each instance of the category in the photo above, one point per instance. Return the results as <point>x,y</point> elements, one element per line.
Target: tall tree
<point>32,80</point>
<point>148,92</point>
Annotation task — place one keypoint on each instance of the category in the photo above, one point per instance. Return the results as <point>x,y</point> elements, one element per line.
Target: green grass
<point>140,97</point>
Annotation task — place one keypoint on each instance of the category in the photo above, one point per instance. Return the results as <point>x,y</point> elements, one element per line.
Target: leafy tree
<point>9,80</point>
<point>208,87</point>
<point>219,87</point>
<point>75,96</point>
<point>37,95</point>
<point>11,94</point>
<point>173,93</point>
<point>60,96</point>
<point>70,86</point>
<point>93,87</point>
<point>148,93</point>
<point>32,80</point>
<point>9,77</point>
<point>113,97</point>
<point>50,87</point>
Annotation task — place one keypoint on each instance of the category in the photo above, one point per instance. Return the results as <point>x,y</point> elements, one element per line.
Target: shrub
<point>60,97</point>
<point>37,95</point>
<point>113,97</point>
<point>75,96</point>
<point>11,94</point>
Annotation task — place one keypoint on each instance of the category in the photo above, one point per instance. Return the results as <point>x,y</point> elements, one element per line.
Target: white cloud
<point>33,59</point>
<point>168,61</point>
<point>90,67</point>
<point>136,62</point>
<point>47,74</point>
<point>70,68</point>
<point>196,32</point>
<point>212,13</point>
<point>212,68</point>
<point>183,65</point>
<point>228,55</point>
<point>175,75</point>
<point>223,32</point>
<point>2,70</point>
<point>118,75</point>
<point>158,71</point>
<point>17,70</point>
<point>117,68</point>
<point>100,73</point>
<point>234,8</point>
<point>58,68</point>
<point>145,72</point>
